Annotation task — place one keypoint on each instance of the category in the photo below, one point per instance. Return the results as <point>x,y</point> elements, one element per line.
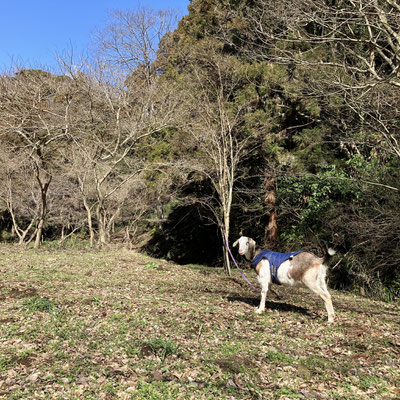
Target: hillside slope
<point>120,325</point>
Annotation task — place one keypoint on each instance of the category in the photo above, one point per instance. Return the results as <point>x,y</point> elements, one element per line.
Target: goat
<point>290,269</point>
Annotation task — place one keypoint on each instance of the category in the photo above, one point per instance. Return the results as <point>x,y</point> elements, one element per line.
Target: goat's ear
<point>252,243</point>
<point>236,243</point>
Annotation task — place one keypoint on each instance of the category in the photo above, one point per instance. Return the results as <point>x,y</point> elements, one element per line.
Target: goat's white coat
<point>314,277</point>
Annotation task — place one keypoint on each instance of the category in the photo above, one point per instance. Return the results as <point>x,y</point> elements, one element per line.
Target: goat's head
<point>246,246</point>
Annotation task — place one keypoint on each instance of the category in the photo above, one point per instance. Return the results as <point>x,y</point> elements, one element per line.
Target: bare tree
<point>67,215</point>
<point>32,129</point>
<point>131,40</point>
<point>18,193</point>
<point>115,121</point>
<point>121,105</point>
<point>213,121</point>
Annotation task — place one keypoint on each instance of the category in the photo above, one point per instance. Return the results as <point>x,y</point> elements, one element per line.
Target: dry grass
<point>119,325</point>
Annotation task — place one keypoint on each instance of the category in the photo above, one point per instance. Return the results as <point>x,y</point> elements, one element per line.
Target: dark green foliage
<point>304,202</point>
<point>183,236</point>
<point>325,156</point>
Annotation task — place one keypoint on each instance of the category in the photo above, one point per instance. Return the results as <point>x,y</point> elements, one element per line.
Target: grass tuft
<point>161,347</point>
<point>43,304</point>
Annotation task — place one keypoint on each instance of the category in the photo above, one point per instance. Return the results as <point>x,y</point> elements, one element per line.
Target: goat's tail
<point>329,252</point>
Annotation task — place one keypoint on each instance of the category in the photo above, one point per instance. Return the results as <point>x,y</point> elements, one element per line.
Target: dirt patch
<point>16,293</point>
<point>5,320</point>
<point>146,351</point>
<point>25,361</point>
<point>234,364</point>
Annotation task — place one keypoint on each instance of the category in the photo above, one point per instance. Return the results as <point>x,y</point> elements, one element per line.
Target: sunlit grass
<point>88,324</point>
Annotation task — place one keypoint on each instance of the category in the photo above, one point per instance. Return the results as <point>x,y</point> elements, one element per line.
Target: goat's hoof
<point>259,311</point>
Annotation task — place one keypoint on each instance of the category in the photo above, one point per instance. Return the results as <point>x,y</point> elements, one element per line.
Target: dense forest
<point>276,120</point>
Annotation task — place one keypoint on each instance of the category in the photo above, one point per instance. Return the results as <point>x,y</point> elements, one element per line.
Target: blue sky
<point>32,32</point>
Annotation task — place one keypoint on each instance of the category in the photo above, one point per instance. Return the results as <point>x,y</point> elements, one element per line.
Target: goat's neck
<point>253,251</point>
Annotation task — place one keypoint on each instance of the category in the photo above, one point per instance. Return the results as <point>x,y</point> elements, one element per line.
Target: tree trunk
<point>225,252</point>
<point>227,265</point>
<point>39,233</point>
<point>16,230</point>
<point>271,230</point>
<point>127,238</point>
<point>102,235</point>
<point>91,231</point>
<point>19,231</point>
<point>89,220</point>
<point>103,232</point>
<point>43,208</point>
<point>21,240</point>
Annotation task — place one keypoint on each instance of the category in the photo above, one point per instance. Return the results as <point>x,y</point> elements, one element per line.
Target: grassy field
<point>115,324</point>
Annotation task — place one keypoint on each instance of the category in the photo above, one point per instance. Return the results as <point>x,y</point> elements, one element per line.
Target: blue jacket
<point>275,260</point>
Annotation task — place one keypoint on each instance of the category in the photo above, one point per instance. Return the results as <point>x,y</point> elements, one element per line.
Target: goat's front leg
<point>261,307</point>
<point>264,279</point>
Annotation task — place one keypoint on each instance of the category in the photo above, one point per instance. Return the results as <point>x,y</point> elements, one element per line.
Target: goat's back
<point>302,262</point>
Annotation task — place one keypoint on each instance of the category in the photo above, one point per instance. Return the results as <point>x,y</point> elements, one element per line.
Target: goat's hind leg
<point>318,286</point>
<point>328,299</point>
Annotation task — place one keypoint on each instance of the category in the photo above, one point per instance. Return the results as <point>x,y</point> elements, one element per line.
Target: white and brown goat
<point>299,269</point>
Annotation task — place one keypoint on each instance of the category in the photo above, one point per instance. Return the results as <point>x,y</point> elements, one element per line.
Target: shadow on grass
<point>391,313</point>
<point>271,305</point>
